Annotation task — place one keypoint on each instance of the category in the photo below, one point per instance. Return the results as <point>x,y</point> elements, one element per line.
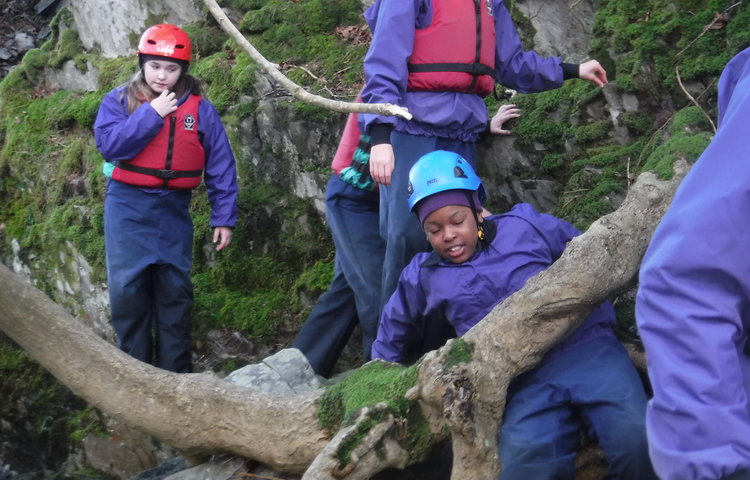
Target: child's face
<point>161,75</point>
<point>452,232</point>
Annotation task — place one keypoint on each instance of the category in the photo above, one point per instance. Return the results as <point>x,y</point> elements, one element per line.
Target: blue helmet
<point>439,171</point>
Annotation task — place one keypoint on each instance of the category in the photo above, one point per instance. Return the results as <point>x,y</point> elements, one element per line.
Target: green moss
<point>373,383</point>
<point>34,402</point>
<point>316,278</point>
<point>460,352</point>
<point>88,421</point>
<point>688,147</point>
<point>115,71</point>
<point>67,48</point>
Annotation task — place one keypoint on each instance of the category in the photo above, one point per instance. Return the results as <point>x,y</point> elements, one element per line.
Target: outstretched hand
<point>504,113</point>
<point>165,103</point>
<point>593,72</point>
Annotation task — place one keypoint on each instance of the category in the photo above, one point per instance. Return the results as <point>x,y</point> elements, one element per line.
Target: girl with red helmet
<point>160,139</point>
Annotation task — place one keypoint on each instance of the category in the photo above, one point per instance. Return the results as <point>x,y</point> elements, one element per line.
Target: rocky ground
<point>23,26</point>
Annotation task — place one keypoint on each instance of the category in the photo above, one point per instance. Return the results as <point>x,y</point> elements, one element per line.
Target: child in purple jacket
<point>693,305</point>
<point>161,139</point>
<point>587,381</point>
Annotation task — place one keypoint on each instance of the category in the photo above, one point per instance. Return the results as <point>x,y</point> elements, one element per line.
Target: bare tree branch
<point>298,92</point>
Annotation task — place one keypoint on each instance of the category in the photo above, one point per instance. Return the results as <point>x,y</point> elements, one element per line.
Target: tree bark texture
<point>195,413</point>
<point>461,386</point>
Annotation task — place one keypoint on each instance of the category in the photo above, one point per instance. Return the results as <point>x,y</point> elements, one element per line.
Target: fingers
<point>165,103</point>
<point>382,162</point>
<point>222,237</point>
<point>593,72</point>
<point>503,115</point>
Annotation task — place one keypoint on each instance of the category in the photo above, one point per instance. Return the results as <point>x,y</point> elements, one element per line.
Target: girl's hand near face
<point>165,103</point>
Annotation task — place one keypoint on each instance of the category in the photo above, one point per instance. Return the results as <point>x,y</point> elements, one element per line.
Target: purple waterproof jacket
<point>523,242</point>
<point>693,304</point>
<point>461,116</point>
<point>120,136</point>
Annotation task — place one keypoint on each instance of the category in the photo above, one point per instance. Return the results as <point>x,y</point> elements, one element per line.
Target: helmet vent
<point>458,172</point>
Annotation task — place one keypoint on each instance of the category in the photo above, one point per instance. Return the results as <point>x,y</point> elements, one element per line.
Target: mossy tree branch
<point>460,387</point>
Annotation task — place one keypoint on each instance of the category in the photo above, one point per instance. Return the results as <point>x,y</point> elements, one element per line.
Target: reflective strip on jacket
<point>693,304</point>
<point>525,243</point>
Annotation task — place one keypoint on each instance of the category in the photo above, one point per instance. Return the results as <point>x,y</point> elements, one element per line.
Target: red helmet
<point>165,40</point>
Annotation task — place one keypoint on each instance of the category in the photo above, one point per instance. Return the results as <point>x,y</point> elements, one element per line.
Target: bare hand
<point>165,103</point>
<point>504,113</point>
<point>382,162</point>
<point>222,237</point>
<point>593,72</point>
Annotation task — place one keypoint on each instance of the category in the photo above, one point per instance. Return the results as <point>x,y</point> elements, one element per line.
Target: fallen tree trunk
<point>461,386</point>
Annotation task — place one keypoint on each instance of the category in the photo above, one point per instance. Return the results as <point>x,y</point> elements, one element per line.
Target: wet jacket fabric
<point>693,304</point>
<point>525,242</point>
<point>121,136</point>
<point>457,51</point>
<point>174,158</point>
<point>454,115</point>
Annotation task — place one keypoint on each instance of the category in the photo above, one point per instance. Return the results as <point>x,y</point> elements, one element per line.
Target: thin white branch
<point>297,91</point>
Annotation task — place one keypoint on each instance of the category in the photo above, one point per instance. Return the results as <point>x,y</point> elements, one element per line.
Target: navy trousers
<point>149,238</point>
<point>594,386</point>
<point>353,296</point>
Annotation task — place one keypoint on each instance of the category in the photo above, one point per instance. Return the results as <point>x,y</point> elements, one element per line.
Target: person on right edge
<point>693,305</point>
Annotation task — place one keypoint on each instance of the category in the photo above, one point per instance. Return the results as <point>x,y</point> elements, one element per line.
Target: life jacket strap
<point>470,68</point>
<point>159,173</point>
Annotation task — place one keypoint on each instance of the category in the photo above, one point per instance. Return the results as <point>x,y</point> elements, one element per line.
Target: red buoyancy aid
<point>174,159</point>
<point>456,52</point>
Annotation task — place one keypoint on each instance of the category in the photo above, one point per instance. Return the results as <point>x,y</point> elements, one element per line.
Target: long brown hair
<point>139,92</point>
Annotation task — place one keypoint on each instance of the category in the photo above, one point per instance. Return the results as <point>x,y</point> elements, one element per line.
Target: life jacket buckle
<point>166,174</point>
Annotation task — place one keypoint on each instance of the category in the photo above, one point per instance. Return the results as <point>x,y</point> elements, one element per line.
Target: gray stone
<point>113,29</point>
<point>70,78</point>
<point>562,28</point>
<point>24,42</point>
<point>287,372</point>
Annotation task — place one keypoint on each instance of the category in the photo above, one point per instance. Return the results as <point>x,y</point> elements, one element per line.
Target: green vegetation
<point>52,191</point>
<point>33,399</point>
<point>460,352</point>
<point>377,382</point>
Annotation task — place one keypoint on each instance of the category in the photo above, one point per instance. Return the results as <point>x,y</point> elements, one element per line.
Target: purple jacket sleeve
<point>693,305</point>
<point>120,136</point>
<point>385,66</point>
<point>399,330</point>
<point>220,175</point>
<point>555,232</point>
